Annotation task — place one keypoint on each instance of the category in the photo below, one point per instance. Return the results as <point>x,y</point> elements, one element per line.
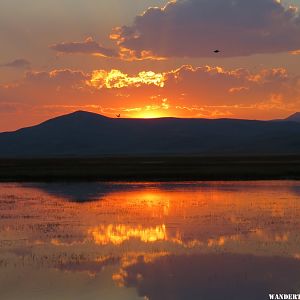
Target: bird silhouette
<point>217,51</point>
<point>118,116</point>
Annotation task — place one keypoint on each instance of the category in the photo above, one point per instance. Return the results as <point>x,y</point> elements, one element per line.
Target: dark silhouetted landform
<point>89,191</point>
<point>84,134</point>
<point>294,117</point>
<point>91,147</point>
<point>152,168</point>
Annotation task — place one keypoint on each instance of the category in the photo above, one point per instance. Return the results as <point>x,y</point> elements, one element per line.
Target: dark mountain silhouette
<point>294,117</point>
<point>89,134</point>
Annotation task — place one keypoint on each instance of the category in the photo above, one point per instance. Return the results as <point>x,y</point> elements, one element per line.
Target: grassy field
<point>150,168</point>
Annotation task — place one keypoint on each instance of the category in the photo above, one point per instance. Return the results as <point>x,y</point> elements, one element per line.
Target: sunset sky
<point>148,58</point>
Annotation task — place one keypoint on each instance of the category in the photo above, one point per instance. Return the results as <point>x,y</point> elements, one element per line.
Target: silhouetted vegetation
<point>155,168</point>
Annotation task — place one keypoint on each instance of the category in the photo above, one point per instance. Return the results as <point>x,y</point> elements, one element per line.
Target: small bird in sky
<point>217,51</point>
<point>118,116</point>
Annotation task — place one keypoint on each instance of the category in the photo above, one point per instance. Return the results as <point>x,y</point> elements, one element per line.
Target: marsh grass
<point>176,168</point>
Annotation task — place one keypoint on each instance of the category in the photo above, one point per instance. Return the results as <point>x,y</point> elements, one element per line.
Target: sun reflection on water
<point>124,234</point>
<point>117,234</point>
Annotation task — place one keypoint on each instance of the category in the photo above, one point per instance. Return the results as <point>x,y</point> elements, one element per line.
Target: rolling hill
<point>294,117</point>
<point>85,134</point>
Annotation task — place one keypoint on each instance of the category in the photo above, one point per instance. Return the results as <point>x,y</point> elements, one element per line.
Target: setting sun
<point>149,115</point>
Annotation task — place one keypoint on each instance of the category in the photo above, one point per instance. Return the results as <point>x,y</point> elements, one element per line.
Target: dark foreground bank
<point>151,169</point>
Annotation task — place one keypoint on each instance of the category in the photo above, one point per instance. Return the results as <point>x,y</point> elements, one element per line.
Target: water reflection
<point>211,276</point>
<point>118,234</point>
<point>154,240</point>
<point>79,191</point>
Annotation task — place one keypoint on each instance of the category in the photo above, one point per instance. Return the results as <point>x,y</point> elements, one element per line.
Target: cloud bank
<point>206,91</point>
<point>195,28</point>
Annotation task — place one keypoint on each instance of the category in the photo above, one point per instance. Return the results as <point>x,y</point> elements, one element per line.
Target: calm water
<point>149,241</point>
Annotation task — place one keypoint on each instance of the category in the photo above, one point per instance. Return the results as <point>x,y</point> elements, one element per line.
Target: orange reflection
<point>132,258</point>
<point>232,217</point>
<point>117,234</point>
<point>153,201</point>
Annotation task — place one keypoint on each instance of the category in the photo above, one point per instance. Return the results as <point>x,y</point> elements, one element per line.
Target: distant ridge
<point>294,117</point>
<point>79,116</point>
<point>86,134</point>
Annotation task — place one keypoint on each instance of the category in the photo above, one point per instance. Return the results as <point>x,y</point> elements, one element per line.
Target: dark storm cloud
<point>89,46</point>
<point>194,28</point>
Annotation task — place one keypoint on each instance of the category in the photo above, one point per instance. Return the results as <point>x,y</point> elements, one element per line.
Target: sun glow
<point>149,115</point>
<point>154,111</point>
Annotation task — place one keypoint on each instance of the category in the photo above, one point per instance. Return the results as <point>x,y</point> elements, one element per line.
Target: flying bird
<point>118,116</point>
<point>217,51</point>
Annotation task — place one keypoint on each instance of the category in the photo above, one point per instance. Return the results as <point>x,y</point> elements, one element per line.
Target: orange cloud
<point>295,52</point>
<point>188,91</point>
<point>116,79</point>
<point>238,89</point>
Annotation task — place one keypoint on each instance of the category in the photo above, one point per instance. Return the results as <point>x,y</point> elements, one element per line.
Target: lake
<point>157,241</point>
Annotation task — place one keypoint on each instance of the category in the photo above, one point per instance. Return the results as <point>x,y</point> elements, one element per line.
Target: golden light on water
<point>136,226</point>
<point>118,234</point>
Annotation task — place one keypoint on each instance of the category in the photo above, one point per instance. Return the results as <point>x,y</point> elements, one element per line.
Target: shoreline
<point>151,168</point>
